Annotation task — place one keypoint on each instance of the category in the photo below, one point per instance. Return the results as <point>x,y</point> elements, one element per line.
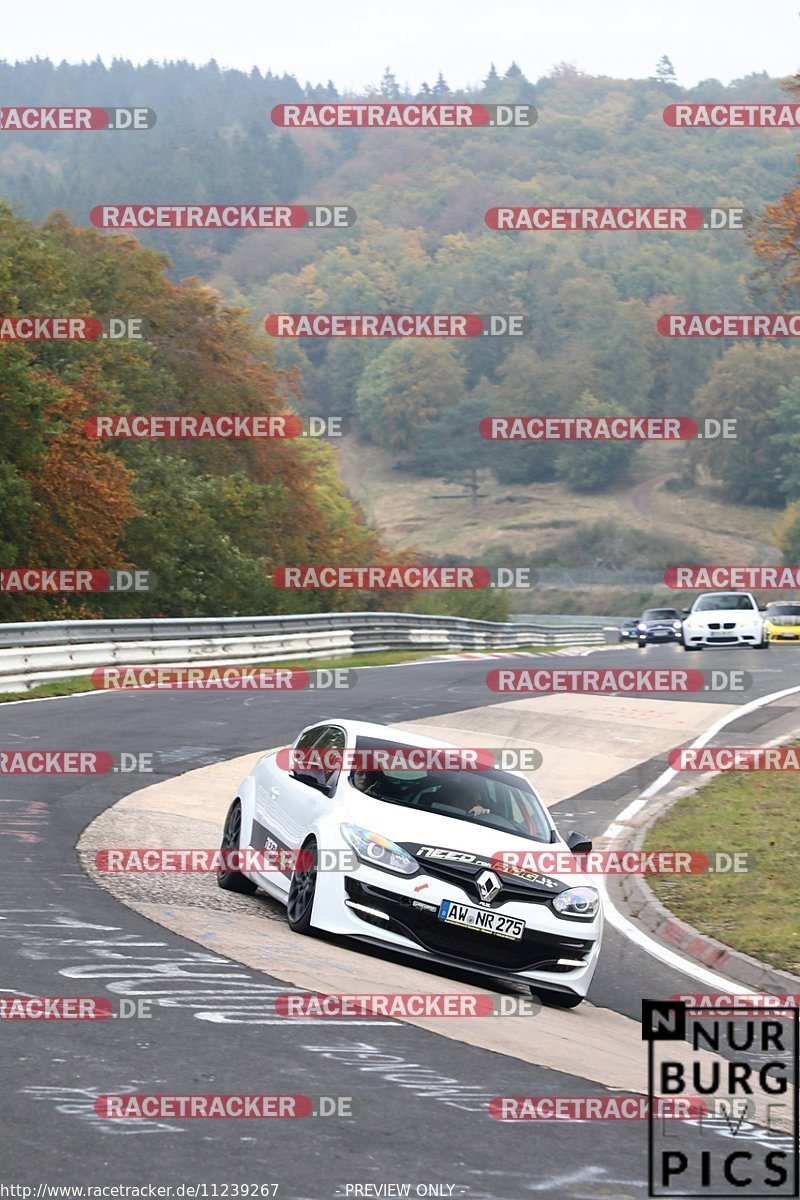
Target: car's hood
<point>737,615</point>
<point>410,826</point>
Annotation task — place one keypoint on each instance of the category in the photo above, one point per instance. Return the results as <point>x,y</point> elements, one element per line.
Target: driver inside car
<point>466,795</point>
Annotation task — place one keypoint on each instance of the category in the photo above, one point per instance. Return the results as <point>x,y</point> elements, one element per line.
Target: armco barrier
<point>42,652</point>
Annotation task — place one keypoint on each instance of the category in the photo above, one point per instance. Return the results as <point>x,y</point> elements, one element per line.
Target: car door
<point>272,794</point>
<point>301,799</point>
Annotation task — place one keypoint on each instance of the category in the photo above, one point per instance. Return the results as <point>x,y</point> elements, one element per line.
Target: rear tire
<point>302,889</point>
<point>556,999</point>
<point>234,881</point>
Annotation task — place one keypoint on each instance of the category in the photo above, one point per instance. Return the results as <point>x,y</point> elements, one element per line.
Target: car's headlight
<point>577,902</point>
<point>642,627</point>
<point>676,624</point>
<point>378,851</point>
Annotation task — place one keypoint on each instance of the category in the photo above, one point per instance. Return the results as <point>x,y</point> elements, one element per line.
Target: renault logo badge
<point>488,886</point>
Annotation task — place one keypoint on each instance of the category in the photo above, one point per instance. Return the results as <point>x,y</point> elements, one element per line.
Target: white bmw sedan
<point>409,858</point>
<point>724,619</point>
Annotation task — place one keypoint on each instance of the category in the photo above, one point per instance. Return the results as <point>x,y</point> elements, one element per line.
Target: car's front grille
<point>535,951</point>
<point>465,877</point>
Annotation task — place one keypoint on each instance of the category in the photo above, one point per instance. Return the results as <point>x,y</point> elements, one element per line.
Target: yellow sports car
<point>782,621</point>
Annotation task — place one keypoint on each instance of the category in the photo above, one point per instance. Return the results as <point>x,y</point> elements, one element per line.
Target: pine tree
<point>389,87</point>
<point>665,72</point>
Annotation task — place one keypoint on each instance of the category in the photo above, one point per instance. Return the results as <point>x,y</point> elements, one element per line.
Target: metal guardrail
<point>42,652</point>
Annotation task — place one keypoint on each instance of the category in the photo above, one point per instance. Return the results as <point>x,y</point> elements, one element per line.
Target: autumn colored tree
<point>746,386</point>
<point>212,518</point>
<point>776,236</point>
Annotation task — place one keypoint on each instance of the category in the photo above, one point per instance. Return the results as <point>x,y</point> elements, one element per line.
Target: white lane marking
<point>643,940</point>
<point>626,927</point>
<point>711,732</point>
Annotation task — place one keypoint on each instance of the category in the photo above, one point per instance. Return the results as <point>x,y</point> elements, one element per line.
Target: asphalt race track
<point>418,1100</point>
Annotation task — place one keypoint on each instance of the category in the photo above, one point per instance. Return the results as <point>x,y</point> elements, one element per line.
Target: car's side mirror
<point>686,611</point>
<point>579,843</point>
<point>313,781</point>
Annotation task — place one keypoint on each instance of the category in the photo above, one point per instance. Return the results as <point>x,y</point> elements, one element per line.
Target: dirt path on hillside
<point>642,501</point>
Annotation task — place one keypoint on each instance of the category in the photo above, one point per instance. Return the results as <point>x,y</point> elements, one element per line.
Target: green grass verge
<point>68,687</point>
<point>758,912</point>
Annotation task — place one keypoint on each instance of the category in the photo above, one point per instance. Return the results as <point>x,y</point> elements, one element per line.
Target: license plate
<point>791,637</point>
<point>481,919</point>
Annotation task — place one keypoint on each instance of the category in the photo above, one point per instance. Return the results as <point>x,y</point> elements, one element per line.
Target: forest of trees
<point>420,244</point>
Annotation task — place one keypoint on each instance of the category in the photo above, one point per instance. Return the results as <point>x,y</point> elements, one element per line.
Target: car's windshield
<point>660,614</point>
<point>495,799</point>
<point>783,610</point>
<point>723,600</point>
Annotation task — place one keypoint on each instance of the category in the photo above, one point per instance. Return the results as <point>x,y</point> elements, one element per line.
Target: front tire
<point>762,645</point>
<point>690,648</point>
<point>234,881</point>
<point>556,999</point>
<point>302,889</point>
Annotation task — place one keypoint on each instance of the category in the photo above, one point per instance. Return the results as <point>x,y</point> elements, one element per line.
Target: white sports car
<point>408,858</point>
<point>724,619</point>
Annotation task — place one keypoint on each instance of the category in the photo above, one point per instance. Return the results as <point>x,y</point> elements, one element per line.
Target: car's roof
<point>395,735</point>
<point>386,733</point>
<point>732,592</point>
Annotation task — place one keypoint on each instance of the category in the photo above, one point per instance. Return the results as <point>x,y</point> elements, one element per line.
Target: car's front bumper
<point>723,637</point>
<point>402,911</point>
<point>783,633</point>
